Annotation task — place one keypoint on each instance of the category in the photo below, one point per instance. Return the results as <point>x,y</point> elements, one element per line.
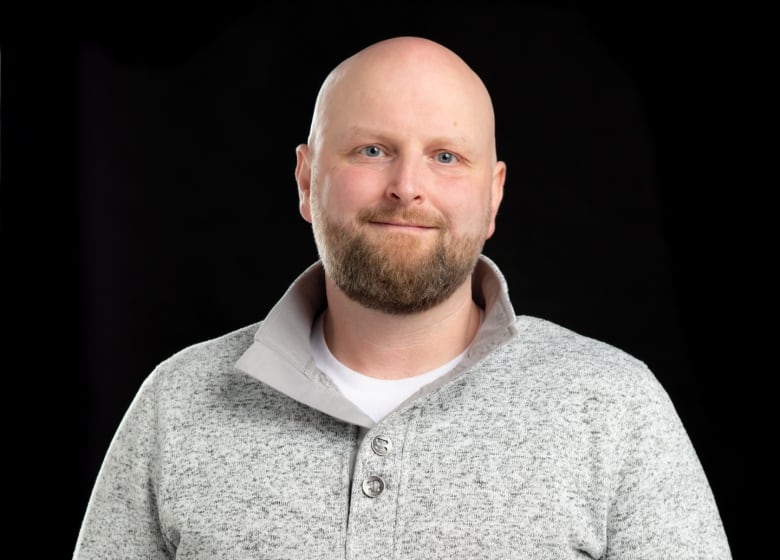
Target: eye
<point>446,157</point>
<point>372,151</point>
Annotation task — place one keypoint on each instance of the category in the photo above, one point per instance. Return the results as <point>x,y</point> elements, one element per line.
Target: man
<point>392,405</point>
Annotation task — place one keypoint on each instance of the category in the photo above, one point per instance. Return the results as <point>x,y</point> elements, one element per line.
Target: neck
<point>388,346</point>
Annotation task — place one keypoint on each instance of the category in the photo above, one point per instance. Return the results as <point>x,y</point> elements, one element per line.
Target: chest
<point>433,481</point>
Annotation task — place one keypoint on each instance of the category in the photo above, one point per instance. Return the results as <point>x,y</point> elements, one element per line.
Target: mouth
<point>401,225</point>
<point>402,220</point>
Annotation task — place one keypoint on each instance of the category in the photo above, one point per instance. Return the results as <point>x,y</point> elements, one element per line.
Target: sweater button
<point>381,445</point>
<point>373,486</point>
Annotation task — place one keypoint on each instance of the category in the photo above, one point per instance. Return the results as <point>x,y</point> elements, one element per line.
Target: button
<point>373,486</point>
<point>381,445</point>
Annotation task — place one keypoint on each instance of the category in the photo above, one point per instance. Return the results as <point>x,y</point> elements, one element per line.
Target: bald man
<point>392,404</point>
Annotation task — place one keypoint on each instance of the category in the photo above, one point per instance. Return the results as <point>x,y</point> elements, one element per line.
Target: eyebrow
<point>458,142</point>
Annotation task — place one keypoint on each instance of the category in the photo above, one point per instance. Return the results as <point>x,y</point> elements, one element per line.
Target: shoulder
<point>540,336</point>
<point>548,356</point>
<point>579,384</point>
<point>203,364</point>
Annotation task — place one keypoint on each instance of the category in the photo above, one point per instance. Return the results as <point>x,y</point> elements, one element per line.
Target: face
<point>399,179</point>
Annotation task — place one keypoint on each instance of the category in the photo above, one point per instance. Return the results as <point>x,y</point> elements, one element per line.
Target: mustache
<point>402,215</point>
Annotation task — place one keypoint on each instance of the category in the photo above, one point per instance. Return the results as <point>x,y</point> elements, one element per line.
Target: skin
<point>403,124</point>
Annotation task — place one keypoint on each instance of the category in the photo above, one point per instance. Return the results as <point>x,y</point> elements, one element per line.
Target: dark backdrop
<point>149,203</point>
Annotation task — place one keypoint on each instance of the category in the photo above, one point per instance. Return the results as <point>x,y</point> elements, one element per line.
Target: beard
<point>392,272</point>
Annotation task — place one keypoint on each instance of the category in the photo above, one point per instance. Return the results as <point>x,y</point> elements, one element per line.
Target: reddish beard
<point>393,272</point>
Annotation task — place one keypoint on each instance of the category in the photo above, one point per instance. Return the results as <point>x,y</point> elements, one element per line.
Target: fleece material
<point>542,444</point>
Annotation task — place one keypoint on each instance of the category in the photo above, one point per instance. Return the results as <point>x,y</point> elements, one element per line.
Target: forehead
<point>402,87</point>
<point>403,97</point>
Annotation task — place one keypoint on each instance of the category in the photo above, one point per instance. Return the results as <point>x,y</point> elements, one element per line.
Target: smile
<point>404,226</point>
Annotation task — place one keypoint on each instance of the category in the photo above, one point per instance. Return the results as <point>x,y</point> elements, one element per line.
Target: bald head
<point>400,82</point>
<point>399,178</point>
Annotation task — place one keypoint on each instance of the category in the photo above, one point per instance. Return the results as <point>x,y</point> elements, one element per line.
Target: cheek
<point>349,188</point>
<point>465,203</point>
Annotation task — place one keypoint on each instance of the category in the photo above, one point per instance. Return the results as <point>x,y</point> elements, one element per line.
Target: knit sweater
<point>541,444</point>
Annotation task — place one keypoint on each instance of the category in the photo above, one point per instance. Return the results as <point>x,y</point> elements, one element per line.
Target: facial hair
<point>391,272</point>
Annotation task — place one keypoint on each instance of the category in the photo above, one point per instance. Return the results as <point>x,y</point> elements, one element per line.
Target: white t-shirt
<point>375,397</point>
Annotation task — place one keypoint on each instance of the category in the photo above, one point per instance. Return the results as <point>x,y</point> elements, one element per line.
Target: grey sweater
<point>542,444</point>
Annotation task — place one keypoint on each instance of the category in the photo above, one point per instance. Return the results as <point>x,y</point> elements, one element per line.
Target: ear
<point>496,194</point>
<point>303,178</point>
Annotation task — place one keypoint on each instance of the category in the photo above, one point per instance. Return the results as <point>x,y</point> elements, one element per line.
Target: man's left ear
<point>496,194</point>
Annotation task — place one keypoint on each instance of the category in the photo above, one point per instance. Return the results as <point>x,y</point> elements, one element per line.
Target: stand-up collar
<point>280,356</point>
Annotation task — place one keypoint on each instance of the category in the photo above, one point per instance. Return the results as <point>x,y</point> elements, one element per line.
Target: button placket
<point>373,484</point>
<point>375,492</point>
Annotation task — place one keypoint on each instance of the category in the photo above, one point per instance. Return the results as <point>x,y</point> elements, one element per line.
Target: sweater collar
<point>280,356</point>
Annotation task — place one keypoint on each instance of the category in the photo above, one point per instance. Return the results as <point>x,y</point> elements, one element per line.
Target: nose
<point>406,180</point>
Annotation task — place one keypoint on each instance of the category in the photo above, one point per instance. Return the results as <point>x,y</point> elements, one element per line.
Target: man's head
<point>399,177</point>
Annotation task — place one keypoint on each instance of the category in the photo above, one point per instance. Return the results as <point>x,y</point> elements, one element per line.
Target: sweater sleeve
<point>662,505</point>
<point>121,520</point>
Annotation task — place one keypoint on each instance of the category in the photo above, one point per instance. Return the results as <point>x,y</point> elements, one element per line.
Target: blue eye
<point>446,157</point>
<point>372,151</point>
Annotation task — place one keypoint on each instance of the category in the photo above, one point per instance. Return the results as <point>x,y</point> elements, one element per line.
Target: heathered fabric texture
<point>545,445</point>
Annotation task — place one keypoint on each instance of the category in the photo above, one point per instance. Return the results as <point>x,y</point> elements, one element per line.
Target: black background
<point>148,203</point>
